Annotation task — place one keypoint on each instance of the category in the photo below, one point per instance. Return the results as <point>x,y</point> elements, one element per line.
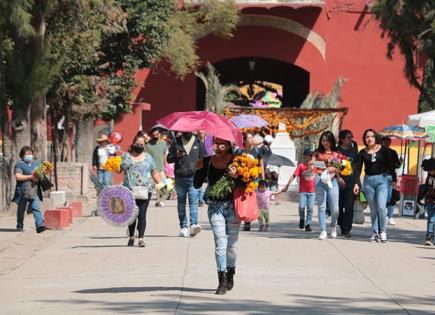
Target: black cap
<point>308,151</point>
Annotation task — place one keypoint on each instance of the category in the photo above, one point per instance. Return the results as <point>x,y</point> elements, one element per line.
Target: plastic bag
<point>358,212</point>
<point>245,205</point>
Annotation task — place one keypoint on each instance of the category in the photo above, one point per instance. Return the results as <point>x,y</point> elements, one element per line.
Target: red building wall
<point>376,91</point>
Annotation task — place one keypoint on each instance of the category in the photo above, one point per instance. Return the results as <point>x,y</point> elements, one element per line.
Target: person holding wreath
<point>139,170</point>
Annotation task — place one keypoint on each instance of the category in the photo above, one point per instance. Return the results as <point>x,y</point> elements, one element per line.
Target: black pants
<point>141,219</point>
<point>345,209</point>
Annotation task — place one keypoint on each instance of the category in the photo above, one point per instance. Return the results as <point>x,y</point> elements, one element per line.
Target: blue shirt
<point>137,173</point>
<point>24,168</point>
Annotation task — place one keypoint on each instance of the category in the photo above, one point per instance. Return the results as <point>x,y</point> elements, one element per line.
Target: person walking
<point>158,149</point>
<point>252,150</point>
<point>378,164</point>
<point>307,188</point>
<point>348,148</point>
<point>185,151</point>
<point>27,190</point>
<point>386,142</point>
<point>327,189</point>
<point>101,152</point>
<point>428,193</point>
<point>221,214</point>
<point>139,170</point>
<point>264,195</point>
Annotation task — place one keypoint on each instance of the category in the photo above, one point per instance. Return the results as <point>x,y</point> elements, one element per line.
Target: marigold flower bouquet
<point>112,164</point>
<point>247,170</point>
<point>41,172</point>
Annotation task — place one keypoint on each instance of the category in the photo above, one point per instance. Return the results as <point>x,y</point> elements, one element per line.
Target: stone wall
<point>73,177</point>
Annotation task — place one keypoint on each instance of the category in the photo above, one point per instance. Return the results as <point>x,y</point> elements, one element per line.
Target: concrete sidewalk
<point>89,270</point>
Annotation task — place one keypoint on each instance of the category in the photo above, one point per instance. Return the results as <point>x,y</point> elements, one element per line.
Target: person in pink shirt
<point>307,189</point>
<point>263,202</point>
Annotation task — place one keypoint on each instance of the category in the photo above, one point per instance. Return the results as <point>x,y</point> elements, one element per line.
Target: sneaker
<point>195,229</point>
<point>301,224</point>
<point>428,242</point>
<point>348,235</point>
<point>20,229</point>
<point>333,232</point>
<point>267,228</point>
<point>247,226</point>
<point>323,235</point>
<point>374,237</point>
<point>141,243</point>
<point>130,242</point>
<point>391,222</point>
<point>41,229</point>
<point>383,237</point>
<point>308,228</point>
<point>160,204</point>
<point>184,232</point>
<point>261,228</point>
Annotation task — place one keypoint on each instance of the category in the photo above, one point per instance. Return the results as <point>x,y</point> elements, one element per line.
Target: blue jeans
<point>306,200</point>
<point>184,188</point>
<point>390,213</point>
<point>201,195</point>
<point>36,210</point>
<point>376,189</point>
<point>430,220</point>
<point>325,193</point>
<point>104,178</point>
<point>225,226</point>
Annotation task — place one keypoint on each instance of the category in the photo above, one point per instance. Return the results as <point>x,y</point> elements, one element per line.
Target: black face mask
<point>138,148</point>
<point>187,136</point>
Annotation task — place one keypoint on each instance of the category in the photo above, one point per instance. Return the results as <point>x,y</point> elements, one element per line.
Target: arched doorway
<point>292,82</point>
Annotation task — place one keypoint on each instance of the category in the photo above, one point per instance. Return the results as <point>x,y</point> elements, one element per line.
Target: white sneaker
<point>383,237</point>
<point>333,232</point>
<point>184,232</point>
<point>195,229</point>
<point>323,235</point>
<point>391,222</point>
<point>374,237</point>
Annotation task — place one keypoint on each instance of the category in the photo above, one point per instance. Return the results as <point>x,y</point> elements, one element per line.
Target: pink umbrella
<point>211,123</point>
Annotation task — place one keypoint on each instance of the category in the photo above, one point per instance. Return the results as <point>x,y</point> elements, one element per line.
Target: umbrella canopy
<point>211,123</point>
<point>280,160</point>
<point>423,119</point>
<point>248,121</point>
<point>404,132</point>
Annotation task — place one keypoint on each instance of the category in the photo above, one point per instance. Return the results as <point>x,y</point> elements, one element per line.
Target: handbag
<point>245,205</point>
<point>139,192</point>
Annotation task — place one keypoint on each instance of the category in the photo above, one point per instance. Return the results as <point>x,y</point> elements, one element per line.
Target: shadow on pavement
<point>140,289</point>
<point>8,230</point>
<point>98,246</point>
<point>296,304</point>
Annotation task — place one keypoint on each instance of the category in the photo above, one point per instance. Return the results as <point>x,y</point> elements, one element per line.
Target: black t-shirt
<point>212,174</point>
<point>380,162</point>
<point>352,154</point>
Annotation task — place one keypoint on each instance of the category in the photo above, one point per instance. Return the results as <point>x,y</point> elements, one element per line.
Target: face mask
<point>28,158</point>
<point>187,135</point>
<point>138,148</point>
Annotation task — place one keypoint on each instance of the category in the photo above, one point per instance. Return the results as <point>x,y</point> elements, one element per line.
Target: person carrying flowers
<point>28,173</point>
<point>218,170</point>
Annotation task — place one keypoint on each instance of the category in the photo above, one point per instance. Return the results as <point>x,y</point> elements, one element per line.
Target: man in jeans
<point>184,152</point>
<point>386,142</point>
<point>157,148</point>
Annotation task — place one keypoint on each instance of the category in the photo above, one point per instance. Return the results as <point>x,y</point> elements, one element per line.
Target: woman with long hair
<point>139,170</point>
<point>221,214</point>
<point>348,148</point>
<point>327,193</point>
<point>378,164</point>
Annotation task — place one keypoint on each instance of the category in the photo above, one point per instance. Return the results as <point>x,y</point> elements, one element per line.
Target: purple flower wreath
<point>116,205</point>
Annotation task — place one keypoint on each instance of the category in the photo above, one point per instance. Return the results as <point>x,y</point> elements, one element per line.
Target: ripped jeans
<point>225,226</point>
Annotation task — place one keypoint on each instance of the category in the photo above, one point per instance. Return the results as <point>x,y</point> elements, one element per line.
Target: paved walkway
<point>87,269</point>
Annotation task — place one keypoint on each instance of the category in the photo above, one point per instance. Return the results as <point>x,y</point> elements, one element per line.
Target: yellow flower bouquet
<point>43,169</point>
<point>112,164</point>
<point>247,170</point>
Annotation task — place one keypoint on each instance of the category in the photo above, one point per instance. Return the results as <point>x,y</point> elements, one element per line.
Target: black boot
<point>231,271</point>
<point>222,288</point>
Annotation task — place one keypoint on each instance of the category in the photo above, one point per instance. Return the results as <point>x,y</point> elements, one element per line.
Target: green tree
<point>410,26</point>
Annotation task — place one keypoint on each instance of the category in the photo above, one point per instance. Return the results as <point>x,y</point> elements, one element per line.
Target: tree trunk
<point>7,180</point>
<point>38,127</point>
<point>84,141</point>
